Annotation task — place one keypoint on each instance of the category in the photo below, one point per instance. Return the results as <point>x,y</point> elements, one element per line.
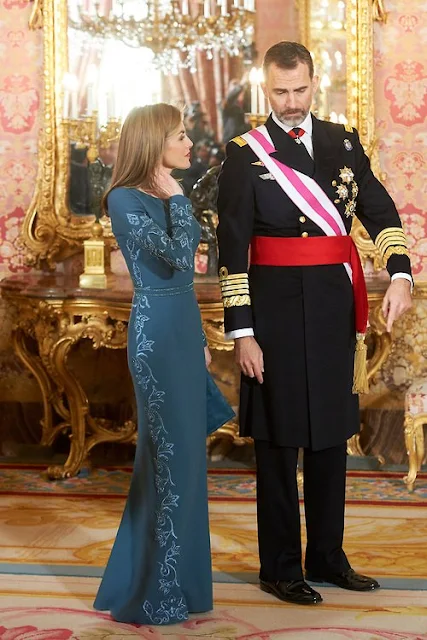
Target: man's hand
<point>249,357</point>
<point>396,301</point>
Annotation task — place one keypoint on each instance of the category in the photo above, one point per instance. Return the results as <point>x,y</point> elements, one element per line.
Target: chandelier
<point>173,29</point>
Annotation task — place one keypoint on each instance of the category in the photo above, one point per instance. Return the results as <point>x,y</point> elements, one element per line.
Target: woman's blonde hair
<point>141,146</point>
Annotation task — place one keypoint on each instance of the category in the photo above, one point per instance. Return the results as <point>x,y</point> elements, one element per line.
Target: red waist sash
<point>305,252</point>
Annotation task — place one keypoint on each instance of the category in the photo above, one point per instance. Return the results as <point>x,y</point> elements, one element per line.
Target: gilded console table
<point>57,314</point>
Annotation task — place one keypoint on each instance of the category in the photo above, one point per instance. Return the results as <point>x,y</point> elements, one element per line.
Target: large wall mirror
<point>91,83</point>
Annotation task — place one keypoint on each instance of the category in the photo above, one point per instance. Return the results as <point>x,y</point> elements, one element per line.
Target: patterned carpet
<point>56,538</point>
<point>239,485</point>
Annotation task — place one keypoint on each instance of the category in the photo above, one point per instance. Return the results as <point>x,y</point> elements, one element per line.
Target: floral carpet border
<point>231,485</point>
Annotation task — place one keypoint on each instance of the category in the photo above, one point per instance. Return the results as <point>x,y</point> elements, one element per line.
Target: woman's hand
<point>166,184</point>
<point>208,357</point>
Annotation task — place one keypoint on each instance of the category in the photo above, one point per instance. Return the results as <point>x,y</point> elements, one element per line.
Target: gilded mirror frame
<point>51,233</point>
<point>361,15</point>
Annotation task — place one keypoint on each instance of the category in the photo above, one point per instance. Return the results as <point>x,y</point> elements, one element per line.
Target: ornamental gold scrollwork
<point>382,339</point>
<point>213,325</point>
<point>380,343</point>
<point>56,328</point>
<point>36,16</point>
<point>379,12</point>
<point>414,441</point>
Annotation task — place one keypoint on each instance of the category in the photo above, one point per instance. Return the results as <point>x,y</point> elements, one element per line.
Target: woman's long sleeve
<point>130,218</point>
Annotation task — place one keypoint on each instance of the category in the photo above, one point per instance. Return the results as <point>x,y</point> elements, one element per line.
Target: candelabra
<point>173,29</point>
<point>260,106</point>
<point>256,119</point>
<point>86,133</point>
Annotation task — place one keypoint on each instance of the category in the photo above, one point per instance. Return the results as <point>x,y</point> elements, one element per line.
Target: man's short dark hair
<point>287,55</point>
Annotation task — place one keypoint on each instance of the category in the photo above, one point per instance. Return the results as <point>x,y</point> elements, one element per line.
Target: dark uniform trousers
<point>279,528</point>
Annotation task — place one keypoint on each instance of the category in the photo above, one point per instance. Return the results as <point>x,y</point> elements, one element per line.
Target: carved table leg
<point>78,407</point>
<point>35,365</point>
<point>414,440</point>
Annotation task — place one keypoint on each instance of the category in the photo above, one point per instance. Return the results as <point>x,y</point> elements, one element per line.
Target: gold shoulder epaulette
<point>239,140</point>
<point>348,128</point>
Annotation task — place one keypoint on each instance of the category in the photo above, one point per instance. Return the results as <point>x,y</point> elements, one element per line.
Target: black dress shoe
<point>346,580</point>
<point>294,591</point>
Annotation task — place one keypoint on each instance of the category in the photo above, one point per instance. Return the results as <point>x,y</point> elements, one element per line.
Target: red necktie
<point>296,133</point>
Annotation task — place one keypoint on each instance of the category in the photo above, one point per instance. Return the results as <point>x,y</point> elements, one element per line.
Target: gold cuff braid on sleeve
<point>234,288</point>
<point>390,241</point>
<point>400,251</point>
<point>236,301</point>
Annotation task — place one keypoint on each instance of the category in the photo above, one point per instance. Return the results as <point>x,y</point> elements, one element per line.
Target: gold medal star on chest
<point>342,192</point>
<point>347,191</point>
<point>346,175</point>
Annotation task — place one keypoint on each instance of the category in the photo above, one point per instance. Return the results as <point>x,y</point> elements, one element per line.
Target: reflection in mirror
<point>328,44</point>
<point>105,79</point>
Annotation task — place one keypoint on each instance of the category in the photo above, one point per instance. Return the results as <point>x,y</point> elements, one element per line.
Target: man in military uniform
<point>294,314</point>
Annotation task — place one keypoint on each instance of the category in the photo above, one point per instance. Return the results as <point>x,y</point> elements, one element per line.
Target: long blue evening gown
<point>159,569</point>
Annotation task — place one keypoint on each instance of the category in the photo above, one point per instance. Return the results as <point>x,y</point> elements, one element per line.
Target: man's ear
<point>315,81</point>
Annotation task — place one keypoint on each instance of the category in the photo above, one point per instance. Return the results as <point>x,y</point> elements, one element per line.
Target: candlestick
<point>74,105</point>
<point>111,105</point>
<point>261,96</point>
<point>90,101</point>
<point>254,90</point>
<point>66,104</point>
<point>261,101</point>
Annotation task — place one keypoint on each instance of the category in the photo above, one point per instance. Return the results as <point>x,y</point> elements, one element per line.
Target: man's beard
<point>292,118</point>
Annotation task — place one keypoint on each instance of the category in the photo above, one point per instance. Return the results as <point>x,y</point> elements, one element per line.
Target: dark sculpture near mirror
<point>79,190</point>
<point>203,198</point>
<point>88,183</point>
<point>99,180</point>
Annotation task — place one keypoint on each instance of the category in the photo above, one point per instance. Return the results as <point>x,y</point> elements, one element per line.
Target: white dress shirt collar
<point>306,124</point>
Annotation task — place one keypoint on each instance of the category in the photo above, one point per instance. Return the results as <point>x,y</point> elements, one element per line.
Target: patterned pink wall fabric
<point>401,113</point>
<point>20,96</point>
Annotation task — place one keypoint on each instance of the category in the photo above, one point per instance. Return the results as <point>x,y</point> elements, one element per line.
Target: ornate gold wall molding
<point>36,17</point>
<point>379,11</point>
<point>304,7</point>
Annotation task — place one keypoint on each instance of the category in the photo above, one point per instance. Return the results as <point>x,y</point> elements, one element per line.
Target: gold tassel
<point>360,376</point>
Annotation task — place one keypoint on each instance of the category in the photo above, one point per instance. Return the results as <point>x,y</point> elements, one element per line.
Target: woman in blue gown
<point>159,569</point>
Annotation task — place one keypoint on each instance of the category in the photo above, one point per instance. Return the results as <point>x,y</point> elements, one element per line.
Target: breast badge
<point>347,145</point>
<point>346,175</point>
<point>346,191</point>
<point>266,176</point>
